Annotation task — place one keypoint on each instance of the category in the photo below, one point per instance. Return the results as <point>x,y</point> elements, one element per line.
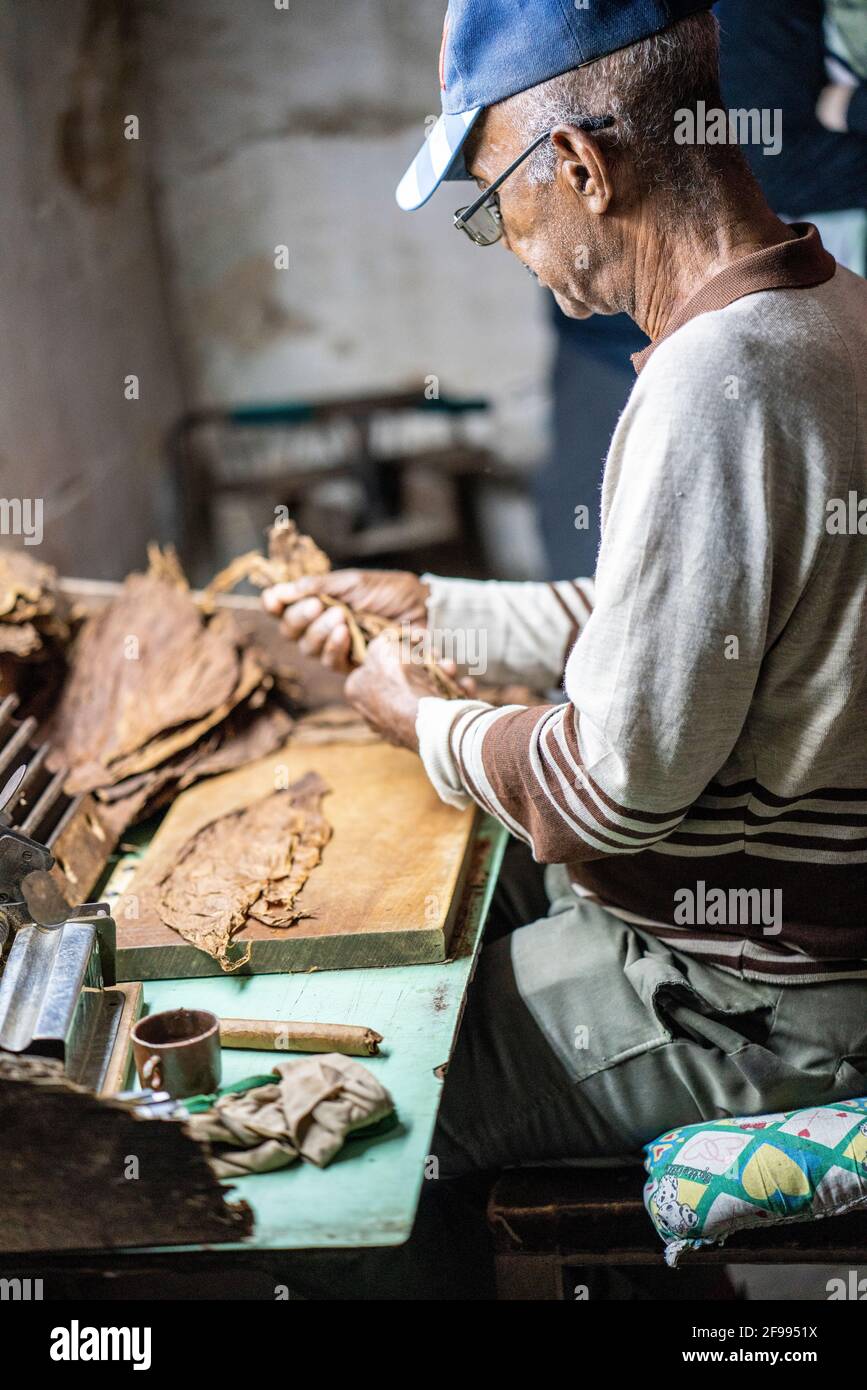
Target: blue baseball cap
<point>492,49</point>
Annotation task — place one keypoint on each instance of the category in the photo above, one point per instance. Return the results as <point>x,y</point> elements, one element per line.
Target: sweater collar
<point>793,264</point>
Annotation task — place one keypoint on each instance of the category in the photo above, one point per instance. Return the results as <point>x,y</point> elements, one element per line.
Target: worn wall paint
<point>291,127</point>
<point>80,295</point>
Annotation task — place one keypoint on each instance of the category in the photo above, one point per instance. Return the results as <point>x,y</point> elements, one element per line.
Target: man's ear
<point>583,166</point>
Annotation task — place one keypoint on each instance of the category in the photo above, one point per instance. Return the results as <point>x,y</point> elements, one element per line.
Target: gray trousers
<point>584,1038</point>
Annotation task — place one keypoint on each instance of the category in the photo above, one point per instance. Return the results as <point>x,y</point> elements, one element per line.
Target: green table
<point>369,1195</point>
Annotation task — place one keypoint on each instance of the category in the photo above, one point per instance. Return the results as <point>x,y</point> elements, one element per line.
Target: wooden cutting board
<point>385,893</point>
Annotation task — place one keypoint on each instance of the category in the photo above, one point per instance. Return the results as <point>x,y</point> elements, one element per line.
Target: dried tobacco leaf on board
<point>247,866</point>
<point>249,733</point>
<point>332,724</point>
<point>252,731</point>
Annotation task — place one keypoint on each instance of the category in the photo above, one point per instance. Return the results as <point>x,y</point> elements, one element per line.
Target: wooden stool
<point>543,1219</point>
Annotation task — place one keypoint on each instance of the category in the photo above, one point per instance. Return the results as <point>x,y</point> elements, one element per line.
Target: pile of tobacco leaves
<point>160,691</point>
<point>35,626</point>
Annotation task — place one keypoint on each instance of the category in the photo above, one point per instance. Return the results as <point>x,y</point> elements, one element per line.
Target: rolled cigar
<point>275,1035</point>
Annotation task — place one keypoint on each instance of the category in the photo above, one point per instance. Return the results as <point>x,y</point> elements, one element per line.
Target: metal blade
<point>45,902</point>
<point>12,785</point>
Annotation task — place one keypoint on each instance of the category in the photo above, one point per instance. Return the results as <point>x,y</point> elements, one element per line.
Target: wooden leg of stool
<point>529,1277</point>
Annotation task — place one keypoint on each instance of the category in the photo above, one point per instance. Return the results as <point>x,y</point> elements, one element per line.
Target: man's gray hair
<point>642,86</point>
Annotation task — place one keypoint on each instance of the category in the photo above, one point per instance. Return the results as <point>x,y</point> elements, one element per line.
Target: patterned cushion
<point>707,1180</point>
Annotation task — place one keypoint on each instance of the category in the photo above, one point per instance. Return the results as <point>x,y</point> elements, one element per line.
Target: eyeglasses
<point>482,220</point>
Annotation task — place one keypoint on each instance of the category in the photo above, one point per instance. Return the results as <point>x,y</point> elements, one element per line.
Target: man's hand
<point>397,595</point>
<point>832,108</point>
<point>387,688</point>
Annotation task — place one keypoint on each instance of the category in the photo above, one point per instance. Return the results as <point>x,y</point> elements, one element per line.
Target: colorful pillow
<point>707,1180</point>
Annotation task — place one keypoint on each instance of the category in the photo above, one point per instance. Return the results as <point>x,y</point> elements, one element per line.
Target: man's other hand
<point>387,688</point>
<point>321,629</point>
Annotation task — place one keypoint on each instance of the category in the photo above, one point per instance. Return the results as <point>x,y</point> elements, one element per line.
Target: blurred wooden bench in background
<point>546,1220</point>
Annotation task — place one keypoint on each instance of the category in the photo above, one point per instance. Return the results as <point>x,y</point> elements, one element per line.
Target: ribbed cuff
<point>447,601</point>
<point>433,726</point>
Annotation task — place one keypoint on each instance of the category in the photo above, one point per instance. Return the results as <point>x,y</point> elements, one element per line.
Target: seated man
<point>700,794</point>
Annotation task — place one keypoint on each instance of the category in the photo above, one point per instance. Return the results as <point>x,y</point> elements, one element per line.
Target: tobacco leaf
<point>19,639</point>
<point>251,565</point>
<point>185,670</point>
<point>34,620</point>
<point>144,786</point>
<point>175,740</point>
<point>162,692</point>
<point>243,867</point>
<point>297,555</point>
<point>149,675</point>
<point>291,556</point>
<point>163,563</point>
<point>22,579</point>
<point>252,731</point>
<point>332,724</point>
<point>246,736</point>
<point>27,609</point>
<point>135,800</point>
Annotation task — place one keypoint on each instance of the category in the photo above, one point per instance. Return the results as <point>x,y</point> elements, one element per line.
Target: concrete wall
<point>81,302</point>
<point>291,126</point>
<point>259,127</point>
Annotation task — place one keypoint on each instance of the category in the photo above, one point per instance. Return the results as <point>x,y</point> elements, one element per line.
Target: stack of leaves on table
<point>160,692</point>
<point>35,625</point>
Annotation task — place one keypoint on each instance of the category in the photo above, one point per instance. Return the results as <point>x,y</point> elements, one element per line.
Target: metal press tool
<point>57,958</point>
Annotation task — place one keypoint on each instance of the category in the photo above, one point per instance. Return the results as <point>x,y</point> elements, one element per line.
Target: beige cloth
<point>307,1112</point>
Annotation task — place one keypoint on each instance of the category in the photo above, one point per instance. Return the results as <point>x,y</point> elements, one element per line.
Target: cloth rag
<point>306,1112</point>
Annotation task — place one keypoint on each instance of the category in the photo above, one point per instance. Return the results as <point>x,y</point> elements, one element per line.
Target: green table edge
<point>457,970</point>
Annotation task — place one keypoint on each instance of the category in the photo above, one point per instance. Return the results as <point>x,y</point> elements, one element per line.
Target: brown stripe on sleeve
<point>617,808</point>
<point>587,605</point>
<point>521,765</point>
<point>574,625</point>
<point>470,782</point>
<point>635,838</point>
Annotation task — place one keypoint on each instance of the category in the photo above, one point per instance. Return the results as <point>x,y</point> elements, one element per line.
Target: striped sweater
<point>705,776</point>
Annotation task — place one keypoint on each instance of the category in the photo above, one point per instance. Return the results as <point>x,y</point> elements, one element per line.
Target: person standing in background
<point>591,378</point>
<point>808,59</point>
<point>842,105</point>
<point>794,59</point>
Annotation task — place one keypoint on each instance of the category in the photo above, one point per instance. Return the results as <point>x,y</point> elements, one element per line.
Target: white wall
<point>292,126</point>
<point>80,297</point>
